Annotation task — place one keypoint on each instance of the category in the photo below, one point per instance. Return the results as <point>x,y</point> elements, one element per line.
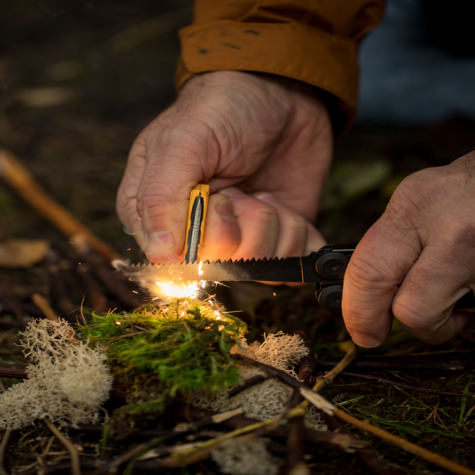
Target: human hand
<point>263,145</point>
<point>424,241</point>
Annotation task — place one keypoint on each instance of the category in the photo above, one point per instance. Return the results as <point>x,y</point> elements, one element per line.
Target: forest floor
<point>78,82</point>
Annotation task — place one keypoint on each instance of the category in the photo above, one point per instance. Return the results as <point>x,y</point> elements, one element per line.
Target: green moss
<point>183,346</point>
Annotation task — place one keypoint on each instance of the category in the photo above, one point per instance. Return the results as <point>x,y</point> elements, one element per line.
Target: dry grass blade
<point>69,446</point>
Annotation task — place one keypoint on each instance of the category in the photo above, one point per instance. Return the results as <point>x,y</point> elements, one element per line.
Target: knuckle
<point>266,214</point>
<point>462,235</point>
<point>364,273</point>
<point>358,321</point>
<point>152,206</point>
<point>296,224</point>
<point>415,315</point>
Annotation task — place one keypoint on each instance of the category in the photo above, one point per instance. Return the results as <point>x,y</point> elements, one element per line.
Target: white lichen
<point>245,457</point>
<point>271,397</point>
<point>279,350</point>
<point>67,380</point>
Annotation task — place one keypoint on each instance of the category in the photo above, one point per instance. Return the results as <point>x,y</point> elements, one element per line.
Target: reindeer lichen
<point>67,380</point>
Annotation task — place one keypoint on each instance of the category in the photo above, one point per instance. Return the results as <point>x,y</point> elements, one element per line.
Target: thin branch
<point>327,378</point>
<point>68,445</point>
<point>43,304</point>
<point>20,179</point>
<point>404,444</point>
<point>12,371</point>
<point>3,446</point>
<point>337,369</point>
<point>248,383</point>
<point>321,403</point>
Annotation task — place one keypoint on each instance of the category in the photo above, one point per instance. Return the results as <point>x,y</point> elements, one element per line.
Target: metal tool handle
<point>331,266</point>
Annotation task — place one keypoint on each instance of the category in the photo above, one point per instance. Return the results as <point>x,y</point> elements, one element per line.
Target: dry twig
<point>12,371</point>
<point>321,403</point>
<point>68,445</point>
<point>432,457</point>
<point>19,178</point>
<point>43,304</point>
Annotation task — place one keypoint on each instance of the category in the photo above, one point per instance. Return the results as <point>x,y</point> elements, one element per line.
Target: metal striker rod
<point>196,221</point>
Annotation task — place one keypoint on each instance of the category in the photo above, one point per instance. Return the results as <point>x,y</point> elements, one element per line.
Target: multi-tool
<point>325,268</point>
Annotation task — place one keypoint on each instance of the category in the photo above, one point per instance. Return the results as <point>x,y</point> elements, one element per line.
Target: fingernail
<point>366,341</point>
<point>264,196</point>
<point>160,245</point>
<point>139,235</point>
<point>231,192</point>
<point>225,209</point>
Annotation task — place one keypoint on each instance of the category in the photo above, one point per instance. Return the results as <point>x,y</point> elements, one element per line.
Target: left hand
<point>417,260</point>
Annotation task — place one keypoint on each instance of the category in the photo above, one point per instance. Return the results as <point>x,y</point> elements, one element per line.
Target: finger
<point>297,236</point>
<point>222,234</point>
<point>258,224</point>
<point>379,263</point>
<point>173,168</point>
<point>126,202</point>
<point>424,302</point>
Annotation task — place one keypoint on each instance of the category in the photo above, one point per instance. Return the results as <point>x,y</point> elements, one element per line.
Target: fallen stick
<point>12,371</point>
<point>19,178</point>
<point>414,449</point>
<point>43,304</point>
<point>321,403</point>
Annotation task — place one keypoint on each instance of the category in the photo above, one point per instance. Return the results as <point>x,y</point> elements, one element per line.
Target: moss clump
<point>184,345</point>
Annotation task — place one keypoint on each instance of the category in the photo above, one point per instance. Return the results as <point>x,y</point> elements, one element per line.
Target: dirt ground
<point>78,81</point>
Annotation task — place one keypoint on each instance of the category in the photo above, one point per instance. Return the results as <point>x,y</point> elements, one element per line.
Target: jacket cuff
<point>315,57</point>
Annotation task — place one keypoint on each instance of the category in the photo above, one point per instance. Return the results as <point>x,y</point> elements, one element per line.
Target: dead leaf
<point>22,252</point>
<point>45,96</point>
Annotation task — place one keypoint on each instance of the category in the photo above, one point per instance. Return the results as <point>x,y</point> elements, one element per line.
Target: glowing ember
<point>177,290</point>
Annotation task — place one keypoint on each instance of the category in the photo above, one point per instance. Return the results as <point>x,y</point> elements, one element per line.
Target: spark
<point>200,269</point>
<point>177,289</point>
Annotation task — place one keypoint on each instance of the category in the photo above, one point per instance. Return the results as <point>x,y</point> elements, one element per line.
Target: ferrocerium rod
<point>196,221</point>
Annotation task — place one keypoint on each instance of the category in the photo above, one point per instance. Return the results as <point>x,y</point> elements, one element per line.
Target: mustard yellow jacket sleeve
<point>313,41</point>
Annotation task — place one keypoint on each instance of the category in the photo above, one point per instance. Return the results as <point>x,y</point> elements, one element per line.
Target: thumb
<point>174,165</point>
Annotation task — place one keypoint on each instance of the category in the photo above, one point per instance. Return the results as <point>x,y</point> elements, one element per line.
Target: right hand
<point>264,146</point>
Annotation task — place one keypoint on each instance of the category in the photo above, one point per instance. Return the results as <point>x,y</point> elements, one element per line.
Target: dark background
<point>79,80</point>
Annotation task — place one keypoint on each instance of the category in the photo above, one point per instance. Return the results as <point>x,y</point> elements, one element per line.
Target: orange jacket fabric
<point>314,41</point>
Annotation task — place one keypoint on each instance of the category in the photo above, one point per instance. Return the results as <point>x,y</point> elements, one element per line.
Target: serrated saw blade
<point>290,269</point>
